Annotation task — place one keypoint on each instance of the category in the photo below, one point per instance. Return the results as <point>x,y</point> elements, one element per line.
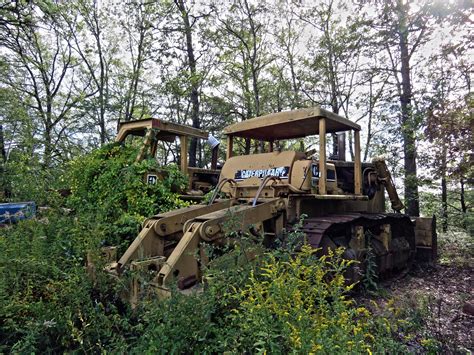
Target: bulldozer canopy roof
<point>167,131</point>
<point>290,124</point>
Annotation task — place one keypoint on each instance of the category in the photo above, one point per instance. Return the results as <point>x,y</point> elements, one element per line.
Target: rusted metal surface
<point>154,130</point>
<point>426,239</point>
<point>316,228</point>
<point>165,129</point>
<point>290,124</point>
<point>393,251</point>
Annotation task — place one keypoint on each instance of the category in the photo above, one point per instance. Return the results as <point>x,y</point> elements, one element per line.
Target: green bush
<point>25,179</point>
<point>108,188</point>
<point>182,324</point>
<point>47,300</point>
<point>279,303</point>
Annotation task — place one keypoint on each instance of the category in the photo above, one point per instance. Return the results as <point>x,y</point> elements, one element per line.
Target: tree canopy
<point>401,69</point>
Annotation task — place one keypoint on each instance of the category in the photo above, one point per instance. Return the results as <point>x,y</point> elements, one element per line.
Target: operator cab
<point>294,172</point>
<point>154,130</point>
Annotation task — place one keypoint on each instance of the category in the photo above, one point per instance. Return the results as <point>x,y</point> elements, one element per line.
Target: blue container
<point>16,211</point>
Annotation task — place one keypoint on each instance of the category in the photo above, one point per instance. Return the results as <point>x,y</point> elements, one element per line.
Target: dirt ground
<point>441,292</point>
<point>437,299</point>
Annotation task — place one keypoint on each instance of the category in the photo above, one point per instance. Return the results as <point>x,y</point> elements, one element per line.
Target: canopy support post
<point>230,145</point>
<point>357,164</point>
<point>322,157</point>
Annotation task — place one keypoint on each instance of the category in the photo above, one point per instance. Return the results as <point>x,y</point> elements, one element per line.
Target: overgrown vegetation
<point>109,191</point>
<point>279,302</point>
<point>47,300</point>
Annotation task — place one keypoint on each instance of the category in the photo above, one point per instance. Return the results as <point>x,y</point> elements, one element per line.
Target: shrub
<point>25,179</point>
<point>300,305</point>
<point>109,189</point>
<point>181,324</point>
<point>47,301</point>
<point>279,303</point>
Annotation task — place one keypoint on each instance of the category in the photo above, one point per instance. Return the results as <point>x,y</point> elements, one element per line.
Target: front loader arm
<point>165,226</point>
<point>182,264</point>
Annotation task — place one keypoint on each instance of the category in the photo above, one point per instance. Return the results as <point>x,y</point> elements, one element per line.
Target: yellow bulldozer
<point>154,130</point>
<point>342,202</point>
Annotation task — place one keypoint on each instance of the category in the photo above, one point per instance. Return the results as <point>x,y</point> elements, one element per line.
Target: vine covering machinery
<point>154,130</point>
<point>343,202</point>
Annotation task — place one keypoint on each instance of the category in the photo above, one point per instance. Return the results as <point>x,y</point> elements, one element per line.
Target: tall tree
<point>288,32</point>
<point>96,57</point>
<point>403,30</point>
<point>42,73</point>
<point>193,77</point>
<point>138,20</point>
<point>449,125</point>
<point>335,49</point>
<point>16,134</point>
<point>242,35</point>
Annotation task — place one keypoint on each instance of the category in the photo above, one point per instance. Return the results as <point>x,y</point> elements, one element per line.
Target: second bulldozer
<point>154,130</point>
<point>343,203</point>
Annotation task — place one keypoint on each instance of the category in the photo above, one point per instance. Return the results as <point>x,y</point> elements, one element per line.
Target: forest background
<point>71,70</point>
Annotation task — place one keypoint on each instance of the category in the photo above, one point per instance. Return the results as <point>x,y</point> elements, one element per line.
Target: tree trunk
<point>2,145</point>
<point>5,186</point>
<point>332,81</point>
<point>48,128</point>
<point>444,203</point>
<point>369,122</point>
<point>408,124</point>
<point>335,109</point>
<point>351,146</point>
<point>444,190</point>
<point>463,203</point>
<point>102,99</point>
<point>48,149</point>
<point>137,66</point>
<point>102,81</point>
<point>194,96</point>
<point>296,93</point>
<point>253,60</point>
<point>103,133</point>
<point>247,146</point>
